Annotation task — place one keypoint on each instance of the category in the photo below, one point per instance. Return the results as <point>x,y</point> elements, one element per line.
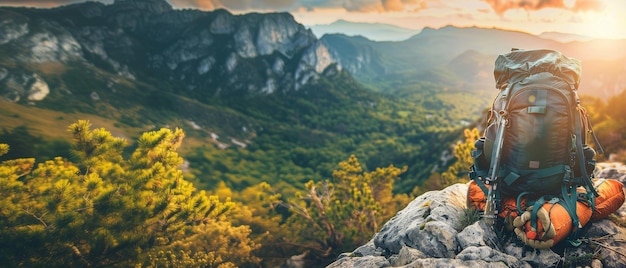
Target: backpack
<point>543,152</point>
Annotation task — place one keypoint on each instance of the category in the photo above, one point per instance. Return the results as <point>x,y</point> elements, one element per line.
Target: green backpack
<point>543,151</point>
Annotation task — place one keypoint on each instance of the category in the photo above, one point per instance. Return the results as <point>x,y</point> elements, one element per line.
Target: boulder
<point>427,233</point>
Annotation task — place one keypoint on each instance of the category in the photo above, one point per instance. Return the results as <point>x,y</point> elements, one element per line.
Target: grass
<point>49,68</point>
<point>468,217</point>
<point>54,124</point>
<point>127,109</point>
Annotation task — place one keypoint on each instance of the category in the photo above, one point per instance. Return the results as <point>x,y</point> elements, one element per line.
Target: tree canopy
<point>105,210</point>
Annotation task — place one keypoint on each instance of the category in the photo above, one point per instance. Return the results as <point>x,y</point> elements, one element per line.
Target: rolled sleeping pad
<point>476,199</point>
<point>610,199</point>
<point>553,224</point>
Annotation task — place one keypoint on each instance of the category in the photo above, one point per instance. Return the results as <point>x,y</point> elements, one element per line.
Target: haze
<point>593,18</point>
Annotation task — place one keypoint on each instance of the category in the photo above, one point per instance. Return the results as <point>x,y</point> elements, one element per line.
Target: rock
<point>38,89</point>
<point>244,43</point>
<point>435,238</point>
<point>424,234</point>
<point>224,23</point>
<point>152,6</point>
<point>317,57</point>
<point>351,57</point>
<point>297,261</point>
<point>608,241</point>
<point>94,96</point>
<point>231,62</point>
<point>360,262</point>
<point>431,212</point>
<point>453,263</point>
<point>206,65</point>
<point>278,66</point>
<point>3,73</point>
<point>257,53</point>
<point>477,235</point>
<point>52,43</point>
<point>405,256</point>
<point>490,255</point>
<point>283,34</point>
<point>613,170</point>
<point>12,27</point>
<point>534,257</point>
<point>595,263</point>
<point>91,10</point>
<point>368,249</point>
<point>15,86</point>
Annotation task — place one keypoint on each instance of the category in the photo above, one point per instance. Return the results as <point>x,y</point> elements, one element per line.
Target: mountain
<point>380,63</point>
<point>258,95</point>
<point>211,57</point>
<point>147,38</point>
<point>262,101</point>
<point>262,83</point>
<point>371,31</point>
<point>564,37</point>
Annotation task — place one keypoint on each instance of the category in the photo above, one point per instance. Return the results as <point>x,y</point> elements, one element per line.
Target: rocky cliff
<point>214,53</point>
<point>429,233</point>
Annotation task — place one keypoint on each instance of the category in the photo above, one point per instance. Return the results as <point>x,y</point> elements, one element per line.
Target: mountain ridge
<point>251,87</point>
<point>243,76</point>
<point>373,31</point>
<point>434,49</point>
<point>261,100</point>
<point>382,32</point>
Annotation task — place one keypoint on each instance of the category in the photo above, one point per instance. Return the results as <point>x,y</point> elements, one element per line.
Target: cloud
<point>383,5</point>
<point>238,5</point>
<point>38,3</point>
<point>292,5</point>
<point>362,5</point>
<point>501,6</point>
<point>366,6</point>
<point>582,5</point>
<point>197,4</point>
<point>401,5</point>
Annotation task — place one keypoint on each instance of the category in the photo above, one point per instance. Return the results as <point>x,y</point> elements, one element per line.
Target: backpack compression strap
<point>570,183</point>
<point>581,155</point>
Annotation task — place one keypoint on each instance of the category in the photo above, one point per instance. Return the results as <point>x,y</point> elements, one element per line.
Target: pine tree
<point>341,214</point>
<point>104,210</point>
<point>457,172</point>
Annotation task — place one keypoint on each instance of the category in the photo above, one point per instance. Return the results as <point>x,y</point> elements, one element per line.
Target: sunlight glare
<point>569,3</point>
<point>607,24</point>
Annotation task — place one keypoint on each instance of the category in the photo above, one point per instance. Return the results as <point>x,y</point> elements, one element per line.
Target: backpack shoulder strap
<point>578,132</point>
<point>588,127</point>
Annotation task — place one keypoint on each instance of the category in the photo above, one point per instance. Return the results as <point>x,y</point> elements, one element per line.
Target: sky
<point>594,18</point>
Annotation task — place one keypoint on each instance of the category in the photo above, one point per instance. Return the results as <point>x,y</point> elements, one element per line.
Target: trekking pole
<point>491,209</point>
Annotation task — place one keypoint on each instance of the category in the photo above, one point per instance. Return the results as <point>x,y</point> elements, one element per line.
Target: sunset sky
<point>595,18</point>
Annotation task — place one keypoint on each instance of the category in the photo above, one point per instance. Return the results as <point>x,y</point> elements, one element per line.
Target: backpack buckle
<point>567,176</point>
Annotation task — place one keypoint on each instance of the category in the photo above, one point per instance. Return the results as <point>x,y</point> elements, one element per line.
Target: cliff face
<point>215,53</point>
<point>427,233</point>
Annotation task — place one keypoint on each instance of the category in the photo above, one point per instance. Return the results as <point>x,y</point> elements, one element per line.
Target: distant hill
<point>262,88</point>
<point>258,95</point>
<point>388,32</point>
<point>564,37</point>
<point>427,56</point>
<point>260,98</point>
<point>371,31</point>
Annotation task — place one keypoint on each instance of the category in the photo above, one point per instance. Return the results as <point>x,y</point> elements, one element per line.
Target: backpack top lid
<point>519,64</point>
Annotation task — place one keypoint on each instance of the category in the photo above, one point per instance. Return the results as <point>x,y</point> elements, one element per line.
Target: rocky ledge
<point>429,232</point>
